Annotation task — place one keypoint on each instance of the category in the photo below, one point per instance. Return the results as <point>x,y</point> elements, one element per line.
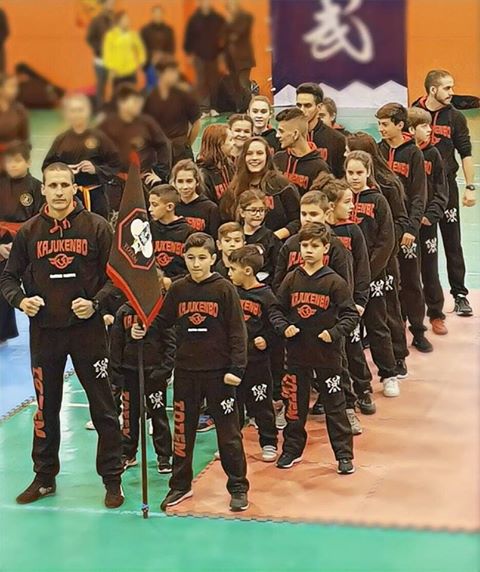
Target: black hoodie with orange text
<point>331,145</point>
<point>406,161</point>
<point>301,171</point>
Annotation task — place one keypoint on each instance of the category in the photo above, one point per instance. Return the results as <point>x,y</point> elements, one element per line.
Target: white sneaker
<point>89,425</point>
<point>216,455</point>
<point>279,408</point>
<point>391,387</point>
<point>269,453</point>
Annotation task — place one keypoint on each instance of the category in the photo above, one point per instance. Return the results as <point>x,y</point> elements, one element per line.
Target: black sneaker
<point>366,404</point>
<point>345,467</point>
<point>175,497</point>
<point>239,502</point>
<point>422,344</point>
<point>114,496</point>
<point>402,371</point>
<point>318,408</point>
<point>164,466</point>
<point>462,307</point>
<point>35,491</point>
<point>287,460</point>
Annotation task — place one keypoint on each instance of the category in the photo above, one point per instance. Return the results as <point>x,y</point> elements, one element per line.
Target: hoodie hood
<point>323,271</point>
<point>214,277</point>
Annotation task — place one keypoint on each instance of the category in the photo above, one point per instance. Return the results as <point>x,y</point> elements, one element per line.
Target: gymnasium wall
<point>46,35</point>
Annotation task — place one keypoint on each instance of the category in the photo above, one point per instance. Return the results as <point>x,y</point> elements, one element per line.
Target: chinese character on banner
<point>337,42</point>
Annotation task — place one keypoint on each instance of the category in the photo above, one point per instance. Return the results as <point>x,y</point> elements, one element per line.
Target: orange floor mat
<point>417,460</point>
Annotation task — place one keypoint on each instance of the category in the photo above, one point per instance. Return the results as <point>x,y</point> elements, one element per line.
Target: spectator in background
<point>13,116</point>
<point>4,33</point>
<point>175,109</point>
<point>239,55</point>
<point>204,44</point>
<point>159,40</point>
<point>99,26</point>
<point>123,52</point>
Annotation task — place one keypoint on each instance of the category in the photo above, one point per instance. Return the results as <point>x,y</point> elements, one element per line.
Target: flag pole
<point>143,432</point>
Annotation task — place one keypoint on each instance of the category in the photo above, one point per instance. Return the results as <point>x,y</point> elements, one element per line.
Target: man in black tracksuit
<point>329,142</point>
<point>159,351</point>
<point>449,134</point>
<point>299,160</point>
<point>60,257</point>
<point>406,160</point>
<point>210,361</point>
<point>320,309</point>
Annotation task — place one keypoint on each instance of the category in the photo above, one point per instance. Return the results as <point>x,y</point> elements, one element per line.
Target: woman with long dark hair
<point>256,170</point>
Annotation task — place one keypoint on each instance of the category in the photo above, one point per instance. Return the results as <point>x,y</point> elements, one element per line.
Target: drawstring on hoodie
<point>58,225</point>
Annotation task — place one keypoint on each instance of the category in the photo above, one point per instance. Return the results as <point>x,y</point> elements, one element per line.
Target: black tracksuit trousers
<point>375,320</point>
<point>255,393</point>
<point>87,345</point>
<point>156,403</point>
<point>296,394</point>
<point>412,299</point>
<point>358,369</point>
<point>432,287</point>
<point>452,239</point>
<point>395,321</point>
<point>189,390</point>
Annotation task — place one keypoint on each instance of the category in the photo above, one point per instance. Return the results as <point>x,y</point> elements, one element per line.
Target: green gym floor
<point>72,531</point>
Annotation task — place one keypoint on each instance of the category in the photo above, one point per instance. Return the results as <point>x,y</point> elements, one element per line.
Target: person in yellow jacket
<point>123,51</point>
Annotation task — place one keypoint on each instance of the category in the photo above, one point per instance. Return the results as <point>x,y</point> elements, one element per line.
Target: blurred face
<point>227,145</point>
<point>344,208</point>
<point>306,102</point>
<point>325,116</point>
<point>9,91</point>
<point>423,132</point>
<point>444,91</point>
<point>230,242</point>
<point>109,5</point>
<point>124,22</point>
<point>313,251</point>
<point>186,185</point>
<point>76,112</point>
<point>16,166</point>
<point>199,262</point>
<point>204,5</point>
<point>357,176</point>
<point>388,129</point>
<point>170,76</point>
<point>59,190</point>
<point>260,113</point>
<point>238,274</point>
<point>254,214</point>
<point>311,213</point>
<point>157,208</point>
<point>256,157</point>
<point>241,131</point>
<point>287,134</point>
<point>131,106</point>
<point>157,15</point>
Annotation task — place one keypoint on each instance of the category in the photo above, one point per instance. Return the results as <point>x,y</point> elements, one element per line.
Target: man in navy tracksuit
<point>449,134</point>
<point>59,257</point>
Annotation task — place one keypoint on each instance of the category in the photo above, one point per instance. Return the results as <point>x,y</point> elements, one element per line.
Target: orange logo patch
<point>61,261</point>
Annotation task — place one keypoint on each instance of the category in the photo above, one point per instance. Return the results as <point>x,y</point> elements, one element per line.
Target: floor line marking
<point>138,512</point>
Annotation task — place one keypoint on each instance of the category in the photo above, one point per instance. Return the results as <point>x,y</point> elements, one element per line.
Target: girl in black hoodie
<point>214,160</point>
<point>255,169</point>
<point>372,213</point>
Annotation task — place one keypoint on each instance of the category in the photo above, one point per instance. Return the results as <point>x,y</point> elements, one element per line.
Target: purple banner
<point>338,41</point>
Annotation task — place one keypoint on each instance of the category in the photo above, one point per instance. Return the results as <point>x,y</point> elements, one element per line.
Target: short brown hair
<point>186,165</point>
<point>200,240</point>
<point>330,106</point>
<point>394,111</point>
<point>289,114</point>
<point>248,255</point>
<point>239,117</point>
<point>262,98</point>
<point>227,228</point>
<point>22,148</point>
<point>311,88</point>
<point>418,116</point>
<point>433,77</point>
<point>58,166</point>
<point>315,198</point>
<point>166,193</point>
<point>314,231</point>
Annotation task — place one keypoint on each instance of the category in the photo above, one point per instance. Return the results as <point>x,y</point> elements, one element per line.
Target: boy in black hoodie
<point>230,238</point>
<point>210,362</point>
<point>260,313</point>
<point>406,160</point>
<point>299,160</point>
<point>437,198</point>
<point>329,142</point>
<point>261,111</point>
<point>20,199</point>
<point>449,134</point>
<point>320,309</point>
<point>159,351</point>
<point>56,275</point>
<point>169,232</point>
